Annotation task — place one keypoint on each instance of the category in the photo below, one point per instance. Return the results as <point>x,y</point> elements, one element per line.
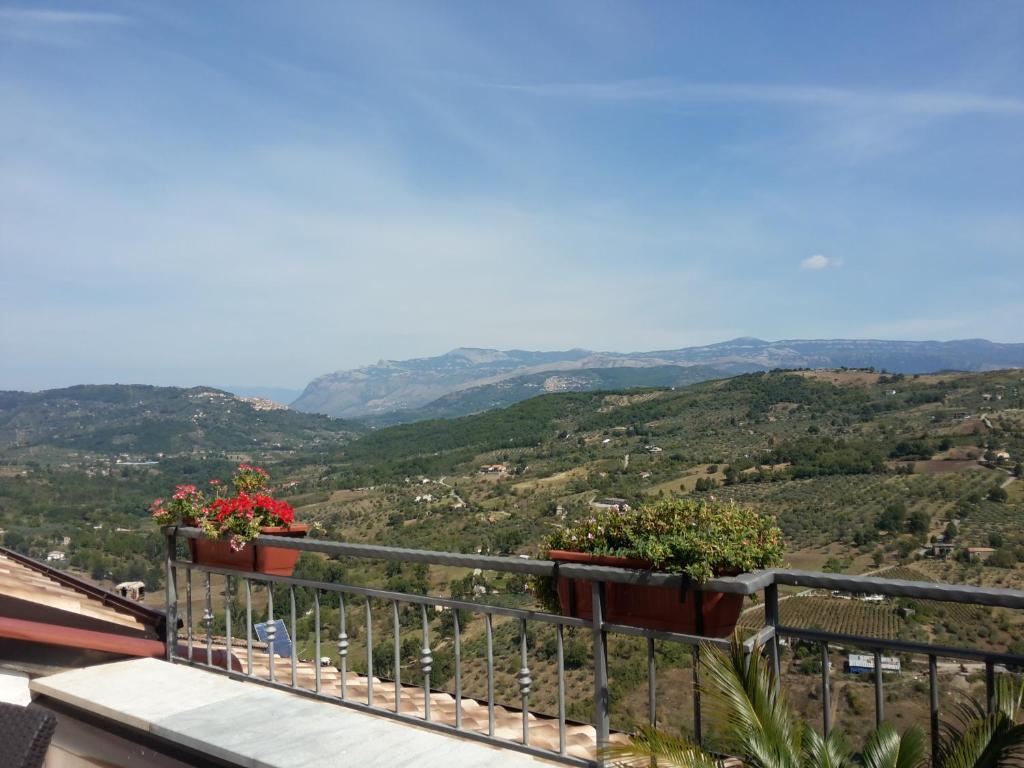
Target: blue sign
<point>282,643</point>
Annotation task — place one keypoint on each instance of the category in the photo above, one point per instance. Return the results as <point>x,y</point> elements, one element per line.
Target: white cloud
<point>930,103</point>
<point>30,16</point>
<point>56,27</point>
<point>819,261</point>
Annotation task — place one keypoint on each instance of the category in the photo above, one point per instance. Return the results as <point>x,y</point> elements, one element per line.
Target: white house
<point>858,662</point>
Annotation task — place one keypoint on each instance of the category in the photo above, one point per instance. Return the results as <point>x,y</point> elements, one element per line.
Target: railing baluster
<point>426,662</point>
<point>698,733</point>
<point>879,699</point>
<point>601,722</point>
<point>271,631</point>
<point>771,618</point>
<point>208,620</point>
<point>458,668</point>
<point>342,646</point>
<point>171,596</point>
<point>560,661</point>
<point>524,680</point>
<point>398,657</point>
<point>369,653</point>
<point>188,610</point>
<point>933,697</point>
<point>227,624</point>
<point>698,719</point>
<point>990,685</point>
<point>652,684</point>
<point>826,692</point>
<point>316,641</point>
<point>295,639</point>
<point>248,626</point>
<point>490,673</point>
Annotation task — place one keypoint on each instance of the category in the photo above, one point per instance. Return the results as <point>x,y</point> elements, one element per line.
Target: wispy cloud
<point>40,25</point>
<point>820,261</point>
<point>63,18</point>
<point>927,102</point>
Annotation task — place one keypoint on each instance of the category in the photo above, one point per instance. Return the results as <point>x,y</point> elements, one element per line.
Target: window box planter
<point>257,558</point>
<point>664,608</point>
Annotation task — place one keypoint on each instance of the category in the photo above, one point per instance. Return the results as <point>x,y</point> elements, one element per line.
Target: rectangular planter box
<point>256,558</point>
<point>665,608</point>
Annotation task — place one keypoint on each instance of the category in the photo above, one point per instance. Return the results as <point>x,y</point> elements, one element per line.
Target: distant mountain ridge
<point>468,380</point>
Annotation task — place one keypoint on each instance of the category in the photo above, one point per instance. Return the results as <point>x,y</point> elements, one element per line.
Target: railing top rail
<point>744,584</point>
<point>921,590</point>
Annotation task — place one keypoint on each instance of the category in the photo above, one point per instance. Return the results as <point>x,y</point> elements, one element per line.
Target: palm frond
<point>887,749</point>
<point>973,738</point>
<point>740,690</point>
<point>825,752</point>
<point>649,746</point>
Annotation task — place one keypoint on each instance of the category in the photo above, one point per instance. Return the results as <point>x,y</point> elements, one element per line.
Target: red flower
<point>183,492</point>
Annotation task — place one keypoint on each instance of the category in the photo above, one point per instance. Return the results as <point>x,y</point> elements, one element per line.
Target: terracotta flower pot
<point>253,557</point>
<point>665,608</point>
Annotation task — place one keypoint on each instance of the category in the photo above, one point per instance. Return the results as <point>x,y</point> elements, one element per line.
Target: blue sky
<point>259,193</point>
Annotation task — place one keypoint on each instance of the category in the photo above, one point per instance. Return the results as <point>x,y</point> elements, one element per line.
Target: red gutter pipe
<point>53,634</point>
<point>71,637</point>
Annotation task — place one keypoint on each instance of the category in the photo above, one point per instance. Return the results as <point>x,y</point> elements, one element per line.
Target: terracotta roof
<point>42,604</point>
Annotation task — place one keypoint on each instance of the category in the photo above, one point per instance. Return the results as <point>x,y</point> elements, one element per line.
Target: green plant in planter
<point>699,537</point>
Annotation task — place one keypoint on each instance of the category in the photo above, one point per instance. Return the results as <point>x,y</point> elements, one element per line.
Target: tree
<point>997,494</point>
<point>919,522</point>
<point>950,533</point>
<point>1003,558</point>
<point>893,517</point>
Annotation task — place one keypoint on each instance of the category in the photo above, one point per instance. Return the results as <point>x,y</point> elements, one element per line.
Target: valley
<point>864,471</point>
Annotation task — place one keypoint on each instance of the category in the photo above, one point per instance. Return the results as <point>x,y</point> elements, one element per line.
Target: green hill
<point>145,420</point>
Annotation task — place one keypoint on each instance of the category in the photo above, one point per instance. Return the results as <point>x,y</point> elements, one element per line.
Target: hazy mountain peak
<point>499,377</point>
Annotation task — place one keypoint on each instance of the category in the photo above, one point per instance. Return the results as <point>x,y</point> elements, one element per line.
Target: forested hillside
<point>145,420</point>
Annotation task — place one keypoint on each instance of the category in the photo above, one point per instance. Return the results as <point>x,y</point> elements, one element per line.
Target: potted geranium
<point>230,522</point>
<point>701,539</point>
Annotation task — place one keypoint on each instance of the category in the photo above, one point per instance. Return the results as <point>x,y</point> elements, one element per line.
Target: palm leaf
<point>830,752</point>
<point>973,738</point>
<point>649,746</point>
<point>741,692</point>
<point>887,749</point>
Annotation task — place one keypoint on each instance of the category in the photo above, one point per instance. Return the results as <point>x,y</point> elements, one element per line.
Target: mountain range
<point>470,380</point>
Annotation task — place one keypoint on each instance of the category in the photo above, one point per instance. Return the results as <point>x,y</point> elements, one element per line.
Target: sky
<point>261,192</point>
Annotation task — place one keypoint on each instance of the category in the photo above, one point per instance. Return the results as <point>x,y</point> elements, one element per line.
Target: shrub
<point>700,538</point>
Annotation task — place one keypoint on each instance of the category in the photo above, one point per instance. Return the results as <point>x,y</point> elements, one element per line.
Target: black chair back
<point>25,735</point>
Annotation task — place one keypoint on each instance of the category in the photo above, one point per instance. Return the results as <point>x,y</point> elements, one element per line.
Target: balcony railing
<point>393,699</point>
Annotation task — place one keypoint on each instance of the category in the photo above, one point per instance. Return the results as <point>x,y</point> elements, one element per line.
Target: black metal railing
<point>347,598</point>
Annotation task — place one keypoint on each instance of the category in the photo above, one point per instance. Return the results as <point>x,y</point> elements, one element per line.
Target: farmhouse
<point>942,550</point>
<point>133,590</point>
<point>979,554</point>
<point>494,469</point>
